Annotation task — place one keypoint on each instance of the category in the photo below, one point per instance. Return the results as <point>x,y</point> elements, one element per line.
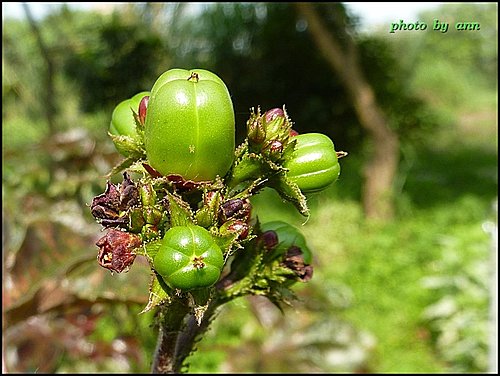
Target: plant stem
<point>171,323</point>
<point>164,353</point>
<point>191,334</point>
<point>178,333</point>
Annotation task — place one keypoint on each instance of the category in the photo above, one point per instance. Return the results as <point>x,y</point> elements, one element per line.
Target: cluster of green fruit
<point>184,130</point>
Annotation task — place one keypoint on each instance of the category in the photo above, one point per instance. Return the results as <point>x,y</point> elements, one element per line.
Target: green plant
<point>184,204</point>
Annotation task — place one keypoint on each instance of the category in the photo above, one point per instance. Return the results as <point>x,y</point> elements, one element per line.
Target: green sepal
<point>131,146</point>
<point>180,212</point>
<point>150,232</point>
<point>291,192</point>
<point>241,150</point>
<point>148,194</point>
<point>288,149</point>
<point>159,293</point>
<point>202,296</point>
<point>207,215</point>
<point>281,295</point>
<point>204,217</point>
<point>136,220</point>
<point>227,243</point>
<point>200,300</point>
<point>152,215</point>
<point>151,249</point>
<point>122,166</point>
<point>139,128</point>
<point>252,172</point>
<point>246,169</point>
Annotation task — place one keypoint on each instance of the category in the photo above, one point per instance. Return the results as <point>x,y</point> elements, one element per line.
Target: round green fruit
<point>189,258</point>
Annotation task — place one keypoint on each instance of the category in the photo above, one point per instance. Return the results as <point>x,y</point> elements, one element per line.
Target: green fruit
<point>189,128</point>
<point>313,164</point>
<point>189,258</point>
<point>122,119</point>
<point>288,236</point>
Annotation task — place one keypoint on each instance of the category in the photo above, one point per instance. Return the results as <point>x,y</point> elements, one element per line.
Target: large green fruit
<point>190,125</point>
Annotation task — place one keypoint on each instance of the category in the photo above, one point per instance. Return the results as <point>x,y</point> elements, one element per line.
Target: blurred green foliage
<point>107,64</point>
<point>407,296</point>
<point>267,58</point>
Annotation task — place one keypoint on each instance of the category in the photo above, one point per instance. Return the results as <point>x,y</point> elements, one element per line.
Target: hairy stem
<point>179,332</point>
<point>192,333</point>
<point>171,323</point>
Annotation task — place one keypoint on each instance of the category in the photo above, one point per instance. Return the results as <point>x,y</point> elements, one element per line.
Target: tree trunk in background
<point>381,168</point>
<point>49,95</point>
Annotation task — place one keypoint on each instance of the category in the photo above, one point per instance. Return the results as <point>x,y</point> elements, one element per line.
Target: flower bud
<point>116,250</point>
<point>277,125</point>
<point>269,239</point>
<point>270,115</point>
<point>269,133</point>
<point>143,106</point>
<point>236,209</point>
<point>256,131</point>
<point>273,149</point>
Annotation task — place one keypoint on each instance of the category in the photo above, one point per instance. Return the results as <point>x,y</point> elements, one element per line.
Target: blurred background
<point>405,242</point>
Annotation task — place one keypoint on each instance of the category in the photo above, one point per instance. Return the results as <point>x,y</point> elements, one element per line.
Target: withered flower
<point>116,250</point>
<point>294,260</point>
<point>109,207</point>
<point>182,184</point>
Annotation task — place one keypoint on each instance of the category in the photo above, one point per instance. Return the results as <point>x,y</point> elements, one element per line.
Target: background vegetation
<point>411,294</point>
